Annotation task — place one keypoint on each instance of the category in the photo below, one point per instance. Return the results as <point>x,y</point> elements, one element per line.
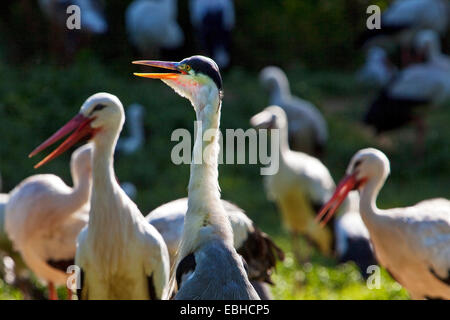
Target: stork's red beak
<point>160,64</point>
<point>79,123</point>
<point>347,184</point>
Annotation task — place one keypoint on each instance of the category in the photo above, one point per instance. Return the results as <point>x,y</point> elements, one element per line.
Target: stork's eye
<point>357,164</point>
<point>98,107</point>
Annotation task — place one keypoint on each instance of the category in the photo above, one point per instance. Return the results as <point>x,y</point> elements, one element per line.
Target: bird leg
<point>52,294</point>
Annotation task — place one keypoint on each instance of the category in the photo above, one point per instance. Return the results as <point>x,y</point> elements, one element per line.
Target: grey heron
<point>207,263</point>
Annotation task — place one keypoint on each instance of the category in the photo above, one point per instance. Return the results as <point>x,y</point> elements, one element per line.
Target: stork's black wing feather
<point>151,289</point>
<point>389,113</point>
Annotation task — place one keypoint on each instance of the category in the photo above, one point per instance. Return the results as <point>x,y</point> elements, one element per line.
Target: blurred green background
<point>312,40</point>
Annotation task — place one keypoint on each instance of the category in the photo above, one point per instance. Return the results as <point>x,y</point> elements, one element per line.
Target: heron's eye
<point>187,67</point>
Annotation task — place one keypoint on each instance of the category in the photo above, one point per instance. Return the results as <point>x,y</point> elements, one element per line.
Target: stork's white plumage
<point>120,255</point>
<point>5,243</point>
<point>207,264</point>
<point>257,249</point>
<point>43,217</point>
<point>428,44</point>
<point>135,125</point>
<point>404,18</point>
<point>377,69</point>
<point>152,25</point>
<point>412,243</point>
<point>402,100</point>
<point>307,128</point>
<point>213,21</point>
<point>301,185</point>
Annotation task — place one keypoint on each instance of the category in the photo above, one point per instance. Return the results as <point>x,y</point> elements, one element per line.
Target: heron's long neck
<point>367,205</point>
<point>203,183</point>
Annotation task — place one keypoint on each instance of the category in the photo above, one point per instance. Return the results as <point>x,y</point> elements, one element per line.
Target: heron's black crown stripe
<point>203,65</point>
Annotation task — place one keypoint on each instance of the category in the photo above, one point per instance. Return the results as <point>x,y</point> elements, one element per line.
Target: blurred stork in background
<point>63,40</point>
<point>135,126</point>
<point>152,25</point>
<point>427,45</point>
<point>403,100</point>
<point>377,70</point>
<point>412,243</point>
<point>257,248</point>
<point>213,21</point>
<point>308,130</point>
<point>43,217</point>
<point>300,187</point>
<point>403,19</point>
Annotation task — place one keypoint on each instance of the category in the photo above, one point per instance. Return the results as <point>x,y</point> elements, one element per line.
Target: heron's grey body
<point>222,283</point>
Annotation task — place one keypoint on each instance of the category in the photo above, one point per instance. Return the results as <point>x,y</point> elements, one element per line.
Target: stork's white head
<point>272,117</point>
<point>366,165</point>
<point>100,113</point>
<point>198,80</point>
<point>274,79</point>
<point>427,43</point>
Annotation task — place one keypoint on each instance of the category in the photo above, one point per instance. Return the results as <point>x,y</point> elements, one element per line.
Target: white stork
<point>120,255</point>
<point>207,264</point>
<point>403,100</point>
<point>404,18</point>
<point>258,250</point>
<point>213,21</point>
<point>43,217</point>
<point>412,243</point>
<point>135,124</point>
<point>300,187</point>
<point>152,25</point>
<point>307,128</point>
<point>428,45</point>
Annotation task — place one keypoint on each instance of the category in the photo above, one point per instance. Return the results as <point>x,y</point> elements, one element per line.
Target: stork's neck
<point>284,144</point>
<point>368,202</point>
<point>81,186</point>
<point>280,92</point>
<point>105,187</point>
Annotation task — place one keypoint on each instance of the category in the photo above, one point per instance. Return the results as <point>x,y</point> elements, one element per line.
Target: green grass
<point>35,100</point>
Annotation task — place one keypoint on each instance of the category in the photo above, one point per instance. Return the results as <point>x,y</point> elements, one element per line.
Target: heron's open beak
<point>160,64</point>
<point>347,184</point>
<point>79,123</point>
